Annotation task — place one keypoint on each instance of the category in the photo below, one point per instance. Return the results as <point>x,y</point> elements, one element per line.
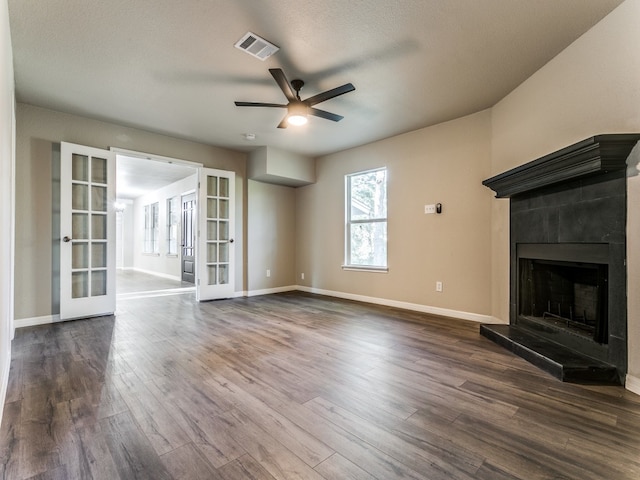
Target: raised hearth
<point>563,363</point>
<point>568,252</point>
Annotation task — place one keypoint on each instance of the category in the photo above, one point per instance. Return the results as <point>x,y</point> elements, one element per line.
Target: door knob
<point>66,239</point>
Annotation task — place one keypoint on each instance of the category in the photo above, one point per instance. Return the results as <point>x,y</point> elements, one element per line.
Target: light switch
<point>429,209</point>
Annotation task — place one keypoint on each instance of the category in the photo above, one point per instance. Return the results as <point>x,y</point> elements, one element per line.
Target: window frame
<point>151,240</point>
<point>173,225</point>
<point>349,222</point>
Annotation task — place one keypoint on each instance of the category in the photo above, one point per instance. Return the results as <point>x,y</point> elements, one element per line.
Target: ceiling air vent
<point>256,46</point>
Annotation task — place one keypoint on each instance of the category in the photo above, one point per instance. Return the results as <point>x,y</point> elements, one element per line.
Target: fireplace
<point>568,258</point>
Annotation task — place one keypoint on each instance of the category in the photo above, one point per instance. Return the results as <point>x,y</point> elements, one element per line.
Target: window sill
<point>150,254</point>
<point>172,255</point>
<point>365,268</point>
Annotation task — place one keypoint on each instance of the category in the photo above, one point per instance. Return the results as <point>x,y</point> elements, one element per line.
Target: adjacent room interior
<point>327,240</point>
<point>154,213</point>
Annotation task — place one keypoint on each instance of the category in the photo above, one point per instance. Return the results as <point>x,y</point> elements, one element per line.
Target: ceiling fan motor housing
<point>297,85</point>
<point>298,108</point>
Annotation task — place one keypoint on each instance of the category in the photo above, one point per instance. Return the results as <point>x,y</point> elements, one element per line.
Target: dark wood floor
<point>296,386</point>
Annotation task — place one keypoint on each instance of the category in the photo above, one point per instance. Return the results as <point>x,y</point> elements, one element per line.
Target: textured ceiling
<point>170,66</point>
<point>137,176</point>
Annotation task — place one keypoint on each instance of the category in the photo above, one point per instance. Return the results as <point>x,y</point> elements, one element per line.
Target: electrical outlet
<point>438,286</point>
<point>268,273</point>
<point>429,209</point>
<point>302,276</point>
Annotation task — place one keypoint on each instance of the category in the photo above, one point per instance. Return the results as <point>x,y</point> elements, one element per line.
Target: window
<point>173,217</point>
<point>151,229</point>
<point>366,222</point>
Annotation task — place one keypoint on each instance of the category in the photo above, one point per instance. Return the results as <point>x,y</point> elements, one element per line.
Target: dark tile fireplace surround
<point>568,302</point>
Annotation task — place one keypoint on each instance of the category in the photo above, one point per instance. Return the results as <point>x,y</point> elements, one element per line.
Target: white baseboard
<point>33,321</point>
<point>443,312</point>
<point>632,384</point>
<point>4,381</point>
<point>268,291</point>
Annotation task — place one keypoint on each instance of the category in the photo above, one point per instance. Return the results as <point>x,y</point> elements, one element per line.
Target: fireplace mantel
<point>596,155</point>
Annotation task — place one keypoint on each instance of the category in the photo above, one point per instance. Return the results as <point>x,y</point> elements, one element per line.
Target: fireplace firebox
<point>563,289</point>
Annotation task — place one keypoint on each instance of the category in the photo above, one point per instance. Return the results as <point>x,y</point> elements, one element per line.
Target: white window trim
<point>365,268</point>
<point>154,228</point>
<point>348,222</point>
<point>169,224</point>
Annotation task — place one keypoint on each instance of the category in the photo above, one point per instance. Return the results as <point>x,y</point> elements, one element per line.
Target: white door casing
<point>87,230</point>
<point>215,255</point>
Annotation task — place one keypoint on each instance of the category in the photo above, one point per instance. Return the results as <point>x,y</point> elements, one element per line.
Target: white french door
<point>215,254</point>
<point>87,231</point>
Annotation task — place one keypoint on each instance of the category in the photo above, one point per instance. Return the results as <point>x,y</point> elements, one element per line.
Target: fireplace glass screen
<point>566,296</point>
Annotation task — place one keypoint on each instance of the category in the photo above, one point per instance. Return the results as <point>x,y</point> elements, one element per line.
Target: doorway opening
<point>155,239</point>
<point>89,237</point>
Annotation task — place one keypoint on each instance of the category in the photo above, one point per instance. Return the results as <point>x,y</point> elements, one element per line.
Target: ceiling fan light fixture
<point>297,114</point>
<point>296,120</point>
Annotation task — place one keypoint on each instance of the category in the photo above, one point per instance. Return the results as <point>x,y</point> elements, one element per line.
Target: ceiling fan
<point>299,109</point>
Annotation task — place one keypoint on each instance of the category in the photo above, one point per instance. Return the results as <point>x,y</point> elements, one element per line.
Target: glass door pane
<point>99,170</point>
<point>79,285</point>
<point>79,168</point>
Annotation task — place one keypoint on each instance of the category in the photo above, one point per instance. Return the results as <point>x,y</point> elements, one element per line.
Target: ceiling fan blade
<point>259,104</point>
<point>322,114</point>
<point>283,83</point>
<point>283,123</point>
<point>334,92</point>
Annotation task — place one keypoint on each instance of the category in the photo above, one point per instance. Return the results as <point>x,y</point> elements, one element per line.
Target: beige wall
<point>39,132</point>
<point>280,167</point>
<point>592,87</point>
<point>445,163</point>
<point>6,198</point>
<point>271,233</point>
